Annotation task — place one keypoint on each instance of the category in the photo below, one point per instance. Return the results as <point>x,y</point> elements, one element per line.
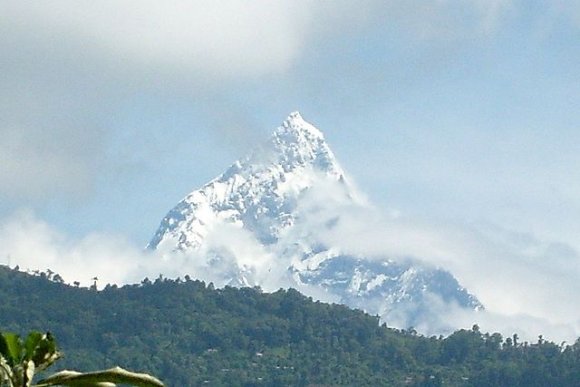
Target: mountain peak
<point>297,143</point>
<point>259,192</point>
<point>279,214</point>
<point>294,123</point>
<point>295,115</point>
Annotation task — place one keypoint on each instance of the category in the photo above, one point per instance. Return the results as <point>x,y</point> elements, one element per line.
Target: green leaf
<point>31,343</point>
<point>3,347</point>
<point>13,348</point>
<point>113,375</point>
<point>45,353</point>
<point>68,375</point>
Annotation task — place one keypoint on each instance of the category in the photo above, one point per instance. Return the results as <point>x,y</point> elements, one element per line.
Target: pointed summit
<point>295,121</point>
<point>297,144</point>
<point>258,193</point>
<point>297,125</point>
<point>294,116</point>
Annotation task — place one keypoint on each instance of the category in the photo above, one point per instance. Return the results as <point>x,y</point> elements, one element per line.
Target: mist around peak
<point>294,219</point>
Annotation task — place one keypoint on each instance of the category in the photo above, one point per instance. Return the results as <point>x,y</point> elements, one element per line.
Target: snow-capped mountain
<point>268,221</point>
<point>259,193</point>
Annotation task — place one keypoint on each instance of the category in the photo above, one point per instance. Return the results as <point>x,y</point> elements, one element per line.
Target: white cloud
<point>528,287</point>
<point>221,39</point>
<point>34,245</point>
<point>69,67</point>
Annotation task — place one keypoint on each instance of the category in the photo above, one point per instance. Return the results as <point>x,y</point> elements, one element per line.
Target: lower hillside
<point>188,333</point>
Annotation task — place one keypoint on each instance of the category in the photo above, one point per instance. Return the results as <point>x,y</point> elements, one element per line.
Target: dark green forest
<point>187,333</point>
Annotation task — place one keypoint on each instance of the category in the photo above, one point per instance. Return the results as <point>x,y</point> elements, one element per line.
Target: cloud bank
<point>526,285</point>
<point>71,70</point>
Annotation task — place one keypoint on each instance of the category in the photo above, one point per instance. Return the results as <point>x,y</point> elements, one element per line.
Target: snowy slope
<point>258,193</point>
<point>261,222</point>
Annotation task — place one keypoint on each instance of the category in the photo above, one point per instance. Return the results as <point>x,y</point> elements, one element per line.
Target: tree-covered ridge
<point>188,334</point>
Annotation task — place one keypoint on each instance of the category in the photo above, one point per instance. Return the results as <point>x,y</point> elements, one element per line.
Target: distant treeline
<point>188,333</point>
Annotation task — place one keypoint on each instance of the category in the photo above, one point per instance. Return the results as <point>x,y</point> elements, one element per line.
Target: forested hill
<point>187,333</point>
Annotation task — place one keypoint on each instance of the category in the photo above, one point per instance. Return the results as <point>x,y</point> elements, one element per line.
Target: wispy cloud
<point>528,286</point>
<point>521,279</point>
<point>69,68</point>
<point>32,244</point>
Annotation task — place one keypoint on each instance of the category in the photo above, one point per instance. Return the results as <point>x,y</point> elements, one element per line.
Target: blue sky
<point>465,109</point>
<point>450,111</point>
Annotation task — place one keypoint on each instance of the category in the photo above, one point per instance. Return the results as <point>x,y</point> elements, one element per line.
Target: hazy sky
<point>451,112</point>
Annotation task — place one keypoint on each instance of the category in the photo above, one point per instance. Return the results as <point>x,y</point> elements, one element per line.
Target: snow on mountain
<point>258,193</point>
<point>260,222</point>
